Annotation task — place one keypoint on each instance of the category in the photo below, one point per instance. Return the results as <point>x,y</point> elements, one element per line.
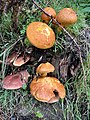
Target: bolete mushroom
<point>44,68</point>
<point>15,81</point>
<point>47,89</point>
<point>19,61</point>
<point>40,35</point>
<point>66,16</point>
<point>50,11</point>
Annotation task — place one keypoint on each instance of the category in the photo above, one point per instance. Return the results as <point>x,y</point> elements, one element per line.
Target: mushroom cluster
<point>65,17</point>
<point>44,88</point>
<point>41,35</point>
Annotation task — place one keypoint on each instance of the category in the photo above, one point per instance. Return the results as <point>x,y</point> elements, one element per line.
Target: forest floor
<point>20,104</point>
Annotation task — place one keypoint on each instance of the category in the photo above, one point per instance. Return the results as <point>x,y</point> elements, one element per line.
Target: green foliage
<point>24,87</point>
<point>26,42</point>
<point>86,10</point>
<point>39,114</point>
<point>6,22</point>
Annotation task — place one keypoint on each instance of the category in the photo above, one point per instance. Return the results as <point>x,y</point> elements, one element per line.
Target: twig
<point>73,39</point>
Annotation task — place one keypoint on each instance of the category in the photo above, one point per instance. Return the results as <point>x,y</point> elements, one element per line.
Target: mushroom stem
<point>78,47</point>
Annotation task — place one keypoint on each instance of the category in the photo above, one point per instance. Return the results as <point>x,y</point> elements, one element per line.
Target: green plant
<point>39,114</point>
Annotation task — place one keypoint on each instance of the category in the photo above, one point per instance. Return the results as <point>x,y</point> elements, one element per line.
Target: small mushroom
<point>40,35</point>
<point>11,58</point>
<point>50,11</point>
<point>19,61</point>
<point>44,68</point>
<point>15,81</point>
<point>66,16</point>
<point>47,89</point>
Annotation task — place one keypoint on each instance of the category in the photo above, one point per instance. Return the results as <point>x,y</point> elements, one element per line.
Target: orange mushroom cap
<point>47,89</point>
<point>45,68</point>
<point>50,11</point>
<point>40,35</point>
<point>66,16</point>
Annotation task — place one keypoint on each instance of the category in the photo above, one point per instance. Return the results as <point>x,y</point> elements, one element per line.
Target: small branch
<point>73,39</point>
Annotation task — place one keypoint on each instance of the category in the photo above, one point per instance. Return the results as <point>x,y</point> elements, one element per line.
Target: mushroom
<point>15,81</point>
<point>66,17</point>
<point>45,68</point>
<point>50,11</point>
<point>24,75</point>
<point>40,35</point>
<point>47,89</point>
<point>11,58</point>
<point>0,61</point>
<point>19,61</point>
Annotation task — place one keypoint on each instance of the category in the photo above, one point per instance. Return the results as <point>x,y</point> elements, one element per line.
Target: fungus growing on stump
<point>40,35</point>
<point>50,11</point>
<point>45,68</point>
<point>66,16</point>
<point>47,89</point>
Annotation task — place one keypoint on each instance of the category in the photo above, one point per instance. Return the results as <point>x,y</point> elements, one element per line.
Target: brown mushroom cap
<point>15,81</point>
<point>66,16</point>
<point>47,89</point>
<point>45,68</point>
<point>19,61</point>
<point>12,82</point>
<point>40,35</point>
<point>50,11</point>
